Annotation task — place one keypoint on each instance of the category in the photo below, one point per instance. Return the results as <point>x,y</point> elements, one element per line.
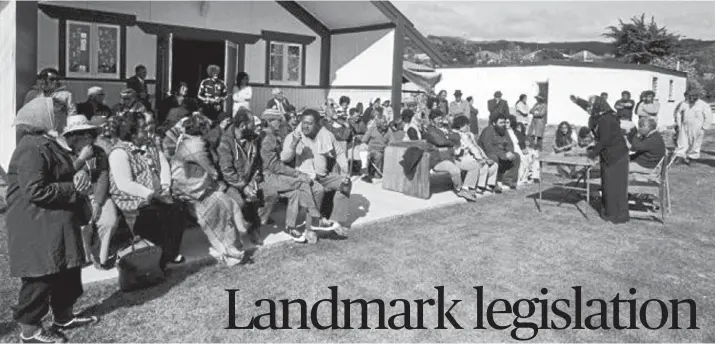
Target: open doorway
<point>543,89</point>
<point>190,58</point>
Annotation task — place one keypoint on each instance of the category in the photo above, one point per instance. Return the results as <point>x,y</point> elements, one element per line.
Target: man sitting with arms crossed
<point>647,146</point>
<point>498,147</point>
<point>315,150</point>
<point>446,142</point>
<point>281,180</point>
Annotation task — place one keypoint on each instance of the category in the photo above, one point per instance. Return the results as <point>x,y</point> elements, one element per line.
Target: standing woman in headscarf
<point>44,219</point>
<point>610,146</point>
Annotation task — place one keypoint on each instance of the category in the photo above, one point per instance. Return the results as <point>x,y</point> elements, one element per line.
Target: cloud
<point>552,21</point>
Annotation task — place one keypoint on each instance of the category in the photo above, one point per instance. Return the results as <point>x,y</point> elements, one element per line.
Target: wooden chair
<point>659,179</point>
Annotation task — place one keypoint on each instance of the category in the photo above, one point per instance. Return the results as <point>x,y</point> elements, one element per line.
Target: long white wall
<point>362,59</point>
<point>482,82</point>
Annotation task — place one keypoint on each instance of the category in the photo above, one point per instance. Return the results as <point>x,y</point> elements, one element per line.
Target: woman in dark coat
<point>613,154</point>
<point>44,217</point>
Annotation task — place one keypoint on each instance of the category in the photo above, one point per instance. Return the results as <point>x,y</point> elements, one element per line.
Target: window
<point>92,50</point>
<point>655,85</point>
<point>671,90</point>
<point>285,63</point>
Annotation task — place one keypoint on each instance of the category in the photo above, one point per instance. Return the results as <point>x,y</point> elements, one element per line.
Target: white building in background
<point>559,80</point>
<point>311,49</point>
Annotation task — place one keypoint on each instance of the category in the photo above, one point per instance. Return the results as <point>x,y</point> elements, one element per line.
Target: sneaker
<point>77,321</point>
<point>325,225</point>
<point>466,195</point>
<point>44,336</point>
<point>229,261</point>
<point>295,235</point>
<point>311,236</point>
<point>366,178</point>
<point>497,189</point>
<point>341,231</point>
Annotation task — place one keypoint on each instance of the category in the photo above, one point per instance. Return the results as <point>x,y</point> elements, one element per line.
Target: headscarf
<point>600,107</point>
<point>39,115</point>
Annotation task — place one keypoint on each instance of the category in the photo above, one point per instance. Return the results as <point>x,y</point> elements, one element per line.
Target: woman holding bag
<point>140,181</point>
<point>44,219</point>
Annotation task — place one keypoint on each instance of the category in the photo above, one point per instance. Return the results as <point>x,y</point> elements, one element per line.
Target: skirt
<point>220,218</point>
<point>537,127</point>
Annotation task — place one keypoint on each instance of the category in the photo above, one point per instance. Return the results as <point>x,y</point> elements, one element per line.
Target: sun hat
<point>77,123</point>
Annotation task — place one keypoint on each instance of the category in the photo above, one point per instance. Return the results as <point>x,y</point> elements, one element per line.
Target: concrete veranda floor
<point>368,203</point>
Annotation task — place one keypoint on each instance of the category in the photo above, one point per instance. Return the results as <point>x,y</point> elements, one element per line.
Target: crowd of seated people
<point>181,161</point>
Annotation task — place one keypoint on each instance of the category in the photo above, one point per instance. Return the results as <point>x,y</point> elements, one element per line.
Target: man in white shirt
<point>691,117</point>
<point>315,151</point>
<point>459,107</point>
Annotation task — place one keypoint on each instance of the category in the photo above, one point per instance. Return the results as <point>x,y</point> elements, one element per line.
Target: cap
<point>459,93</point>
<point>95,90</point>
<point>498,94</point>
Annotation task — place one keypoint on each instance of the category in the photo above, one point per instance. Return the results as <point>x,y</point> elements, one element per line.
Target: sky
<point>552,21</point>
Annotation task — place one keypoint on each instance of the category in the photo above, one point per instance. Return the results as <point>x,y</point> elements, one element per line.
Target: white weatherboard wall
<point>362,59</point>
<point>7,81</point>
<point>482,82</point>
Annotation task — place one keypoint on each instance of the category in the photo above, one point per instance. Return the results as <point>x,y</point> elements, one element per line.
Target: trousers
<point>691,136</point>
<point>38,295</point>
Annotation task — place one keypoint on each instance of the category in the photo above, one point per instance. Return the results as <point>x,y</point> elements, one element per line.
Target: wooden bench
<point>394,178</point>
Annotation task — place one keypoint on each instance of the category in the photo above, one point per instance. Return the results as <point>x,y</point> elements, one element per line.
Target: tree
<point>639,41</point>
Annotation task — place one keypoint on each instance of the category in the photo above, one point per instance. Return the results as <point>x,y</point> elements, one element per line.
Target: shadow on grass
<point>556,195</point>
<point>707,161</point>
<point>120,299</point>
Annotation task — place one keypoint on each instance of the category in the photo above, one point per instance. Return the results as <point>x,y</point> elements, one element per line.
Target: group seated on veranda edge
<point>229,169</point>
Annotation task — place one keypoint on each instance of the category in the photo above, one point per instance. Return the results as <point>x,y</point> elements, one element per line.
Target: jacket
<point>609,144</point>
<point>497,108</point>
<point>239,160</point>
<point>271,147</point>
<point>43,217</point>
<point>494,145</point>
<point>445,142</point>
<point>649,150</point>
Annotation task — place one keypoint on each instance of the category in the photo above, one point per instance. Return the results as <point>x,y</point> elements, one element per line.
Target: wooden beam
<point>276,36</point>
<point>72,13</point>
<point>25,49</point>
<point>324,78</point>
<point>197,33</point>
<point>305,17</point>
<point>397,80</point>
<point>365,28</point>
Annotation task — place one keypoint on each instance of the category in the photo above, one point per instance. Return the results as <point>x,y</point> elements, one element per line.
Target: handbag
<point>139,265</point>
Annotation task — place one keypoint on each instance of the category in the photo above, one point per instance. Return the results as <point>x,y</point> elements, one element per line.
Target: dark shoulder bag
<point>139,266</point>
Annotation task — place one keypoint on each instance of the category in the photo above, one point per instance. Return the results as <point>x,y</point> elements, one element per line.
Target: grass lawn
<point>500,242</point>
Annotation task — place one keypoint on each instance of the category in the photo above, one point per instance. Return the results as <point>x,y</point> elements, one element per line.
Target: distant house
<point>585,56</point>
<point>487,57</point>
<point>421,57</point>
<point>545,55</point>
